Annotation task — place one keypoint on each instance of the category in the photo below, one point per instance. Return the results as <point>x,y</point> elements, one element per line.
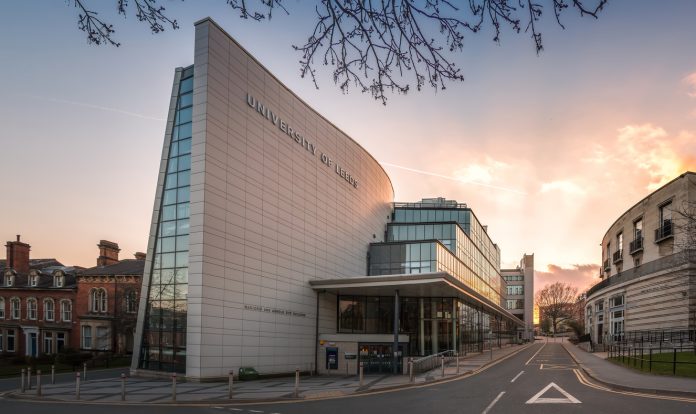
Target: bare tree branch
<point>557,302</point>
<point>379,47</point>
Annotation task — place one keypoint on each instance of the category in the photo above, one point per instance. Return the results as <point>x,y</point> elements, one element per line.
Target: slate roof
<point>123,268</point>
<point>35,263</point>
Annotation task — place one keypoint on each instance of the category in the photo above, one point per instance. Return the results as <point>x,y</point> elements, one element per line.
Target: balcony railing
<point>618,256</point>
<point>664,231</point>
<point>607,267</point>
<point>636,245</point>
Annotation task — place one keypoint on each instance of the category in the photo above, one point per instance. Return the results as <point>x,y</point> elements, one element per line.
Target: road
<point>509,386</point>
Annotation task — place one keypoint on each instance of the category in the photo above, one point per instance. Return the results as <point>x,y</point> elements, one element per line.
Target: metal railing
<point>606,267</point>
<point>664,231</point>
<point>433,361</point>
<point>636,245</point>
<point>649,358</point>
<point>618,256</point>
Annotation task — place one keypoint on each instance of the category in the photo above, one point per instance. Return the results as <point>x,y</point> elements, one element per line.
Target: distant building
<point>36,303</point>
<point>519,294</point>
<point>46,307</point>
<point>107,300</point>
<point>648,268</point>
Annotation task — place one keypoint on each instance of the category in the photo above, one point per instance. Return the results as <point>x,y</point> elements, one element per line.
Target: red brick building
<point>36,303</point>
<point>46,307</point>
<point>107,300</point>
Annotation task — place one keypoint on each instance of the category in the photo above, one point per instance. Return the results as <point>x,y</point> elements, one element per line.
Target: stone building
<point>519,297</point>
<point>648,268</point>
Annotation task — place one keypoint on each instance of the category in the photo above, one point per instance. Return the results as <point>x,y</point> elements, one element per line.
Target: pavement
<point>148,390</point>
<point>596,366</point>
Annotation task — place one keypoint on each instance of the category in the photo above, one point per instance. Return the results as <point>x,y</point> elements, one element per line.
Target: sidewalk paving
<point>146,390</point>
<point>616,376</point>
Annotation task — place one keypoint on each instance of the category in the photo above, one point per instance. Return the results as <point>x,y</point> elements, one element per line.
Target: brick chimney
<point>18,256</point>
<point>140,256</point>
<point>108,253</point>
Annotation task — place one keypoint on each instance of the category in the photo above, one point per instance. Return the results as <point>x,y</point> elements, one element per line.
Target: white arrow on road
<point>569,399</point>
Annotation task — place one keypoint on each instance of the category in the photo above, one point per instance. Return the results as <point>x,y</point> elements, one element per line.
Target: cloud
<point>690,80</point>
<point>486,172</point>
<point>581,276</point>
<point>565,186</point>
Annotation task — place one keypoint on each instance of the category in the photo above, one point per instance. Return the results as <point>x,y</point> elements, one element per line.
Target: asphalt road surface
<point>514,385</point>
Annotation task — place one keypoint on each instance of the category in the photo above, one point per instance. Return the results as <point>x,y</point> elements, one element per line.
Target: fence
<point>654,358</point>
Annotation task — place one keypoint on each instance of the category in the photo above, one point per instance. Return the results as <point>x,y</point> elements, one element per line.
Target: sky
<point>548,150</point>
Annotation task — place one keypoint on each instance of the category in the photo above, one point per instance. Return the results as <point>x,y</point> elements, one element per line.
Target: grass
<point>662,364</point>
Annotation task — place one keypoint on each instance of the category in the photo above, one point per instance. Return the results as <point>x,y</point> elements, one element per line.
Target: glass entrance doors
<point>377,358</point>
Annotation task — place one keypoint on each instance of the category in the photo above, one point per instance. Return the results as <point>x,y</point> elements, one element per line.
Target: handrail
<point>430,362</point>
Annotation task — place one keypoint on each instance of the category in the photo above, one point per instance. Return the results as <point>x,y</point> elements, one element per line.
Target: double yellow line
<point>586,382</point>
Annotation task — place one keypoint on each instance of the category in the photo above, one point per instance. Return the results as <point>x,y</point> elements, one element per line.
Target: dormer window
<point>59,280</point>
<point>9,281</point>
<point>33,280</point>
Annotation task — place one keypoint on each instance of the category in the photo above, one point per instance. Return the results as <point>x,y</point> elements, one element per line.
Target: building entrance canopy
<point>422,285</point>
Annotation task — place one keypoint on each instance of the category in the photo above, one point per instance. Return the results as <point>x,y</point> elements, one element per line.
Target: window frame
<point>15,309</point>
<point>46,309</point>
<point>63,307</point>
<point>2,309</point>
<point>32,311</point>
<point>85,336</point>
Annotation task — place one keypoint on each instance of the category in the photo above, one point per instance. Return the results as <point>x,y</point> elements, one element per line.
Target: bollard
<point>77,386</point>
<point>123,387</point>
<point>84,368</point>
<point>411,378</point>
<point>174,386</point>
<point>28,378</point>
<point>22,384</point>
<point>457,363</point>
<point>297,382</point>
<point>53,374</point>
<point>230,383</point>
<point>38,383</point>
<point>361,374</point>
<point>442,361</point>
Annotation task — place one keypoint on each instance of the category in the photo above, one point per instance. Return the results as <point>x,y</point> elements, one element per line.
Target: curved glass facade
<point>164,331</point>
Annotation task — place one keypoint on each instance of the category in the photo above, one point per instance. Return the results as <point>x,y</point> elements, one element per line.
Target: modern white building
<point>648,269</point>
<point>264,220</point>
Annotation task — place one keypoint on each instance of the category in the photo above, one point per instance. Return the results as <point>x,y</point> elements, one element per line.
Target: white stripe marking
<point>535,354</point>
<point>517,376</point>
<point>569,399</point>
<point>493,403</point>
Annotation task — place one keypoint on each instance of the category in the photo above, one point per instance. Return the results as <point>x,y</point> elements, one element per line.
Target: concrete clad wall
<point>267,215</point>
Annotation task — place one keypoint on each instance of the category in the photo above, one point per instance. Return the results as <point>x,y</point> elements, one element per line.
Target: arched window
<point>32,308</point>
<point>15,312</point>
<point>49,309</point>
<point>2,308</point>
<point>98,300</point>
<point>131,301</point>
<point>66,310</point>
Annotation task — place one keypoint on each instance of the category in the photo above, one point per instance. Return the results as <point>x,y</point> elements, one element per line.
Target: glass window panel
<point>167,260</point>
<point>169,197</point>
<point>169,213</point>
<point>414,253</point>
<point>174,149</point>
<point>168,276</point>
<point>182,243</point>
<point>186,85</point>
<point>399,215</point>
<point>184,162</point>
<point>420,232</point>
<point>431,215</point>
<point>439,215</point>
<point>186,99</point>
<point>429,232</point>
<point>184,115</point>
<point>183,195</point>
<point>409,216</point>
<point>173,165</point>
<point>167,244</point>
<point>182,259</point>
<point>182,227</point>
<point>168,228</point>
<point>425,251</point>
<point>155,279</point>
<point>185,146</point>
<point>171,181</point>
<point>182,211</point>
<point>181,292</point>
<point>181,275</point>
<point>158,260</point>
<point>411,233</point>
<point>166,292</point>
<point>184,131</point>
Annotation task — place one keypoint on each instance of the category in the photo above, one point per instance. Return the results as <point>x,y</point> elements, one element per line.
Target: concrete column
<point>455,346</point>
<point>421,324</point>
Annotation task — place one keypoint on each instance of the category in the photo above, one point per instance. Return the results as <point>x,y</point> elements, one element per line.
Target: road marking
<point>569,399</point>
<point>541,366</point>
<point>586,382</point>
<point>235,409</point>
<point>493,403</point>
<point>517,376</point>
<point>535,354</point>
